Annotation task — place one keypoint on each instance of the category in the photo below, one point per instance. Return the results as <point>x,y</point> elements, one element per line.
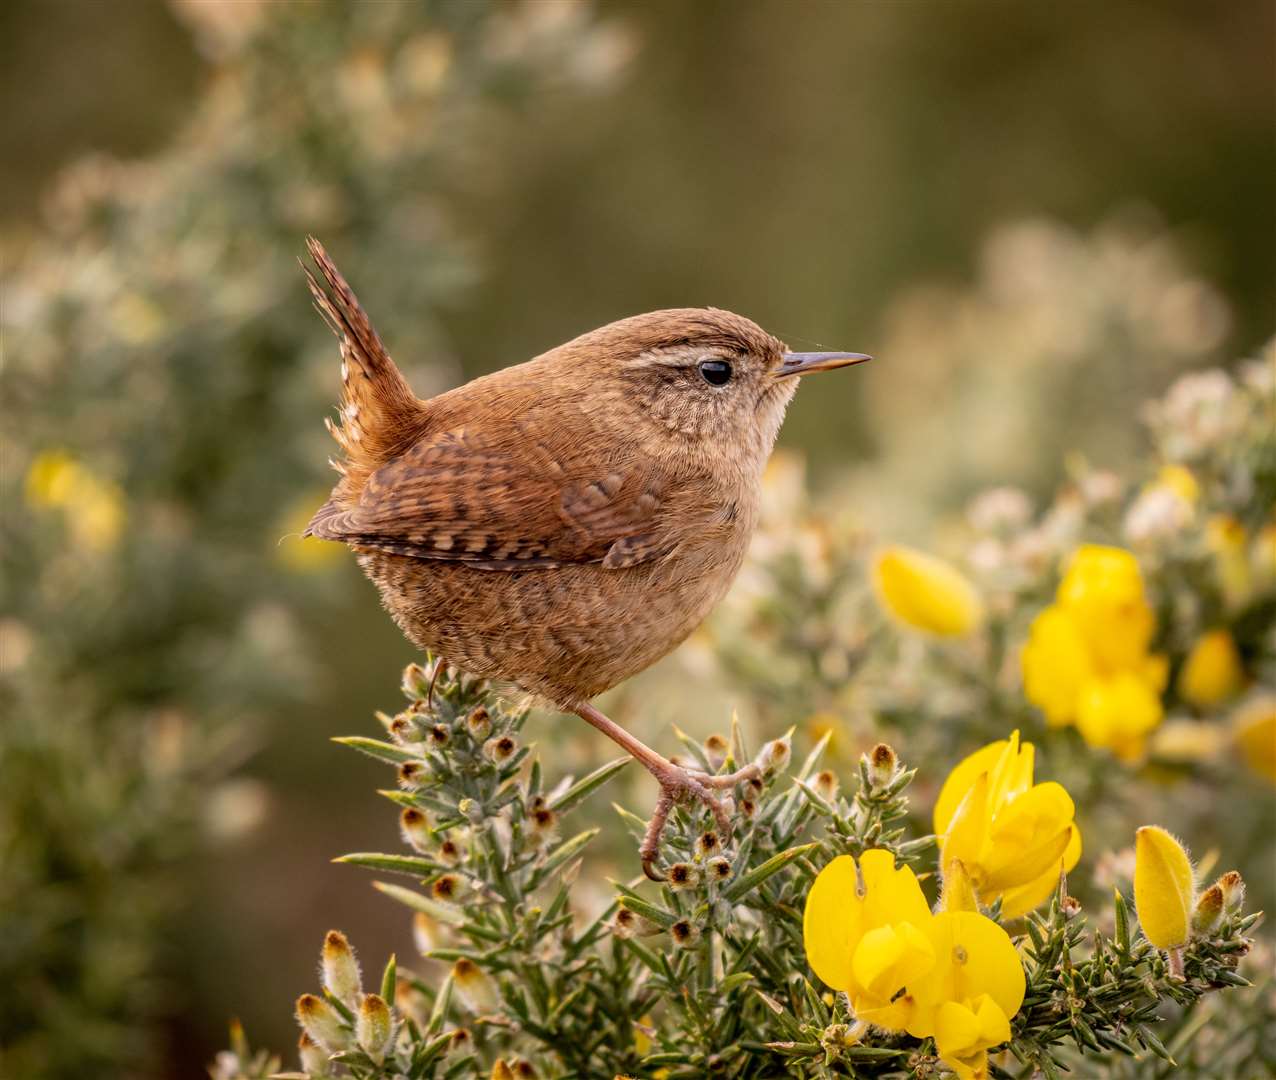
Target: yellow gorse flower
<point>1180,480</point>
<point>1164,891</point>
<point>968,997</point>
<point>1254,729</point>
<point>1212,672</point>
<point>925,593</point>
<point>93,508</point>
<point>956,975</point>
<point>1087,659</point>
<point>864,929</point>
<point>1006,835</point>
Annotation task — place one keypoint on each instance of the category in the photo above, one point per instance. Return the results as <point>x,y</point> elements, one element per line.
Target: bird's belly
<point>567,633</point>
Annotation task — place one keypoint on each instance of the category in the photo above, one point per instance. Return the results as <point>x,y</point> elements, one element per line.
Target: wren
<point>564,523</point>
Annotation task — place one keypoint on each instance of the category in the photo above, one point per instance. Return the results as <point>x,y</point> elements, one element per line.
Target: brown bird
<point>564,523</point>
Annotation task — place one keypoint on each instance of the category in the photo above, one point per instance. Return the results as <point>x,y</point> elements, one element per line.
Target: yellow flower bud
<point>1254,729</point>
<point>1163,887</point>
<point>1212,672</point>
<point>925,593</point>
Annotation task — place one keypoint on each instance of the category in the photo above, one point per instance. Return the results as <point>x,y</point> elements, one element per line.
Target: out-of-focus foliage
<point>163,387</point>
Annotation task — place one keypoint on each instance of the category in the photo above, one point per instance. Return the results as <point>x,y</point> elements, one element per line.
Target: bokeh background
<point>1034,215</point>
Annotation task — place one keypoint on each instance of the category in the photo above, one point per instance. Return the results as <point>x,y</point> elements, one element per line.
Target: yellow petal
<point>1056,664</point>
<point>1021,900</point>
<point>1032,816</point>
<point>972,1067</point>
<point>830,922</point>
<point>968,829</point>
<point>973,956</point>
<point>1114,711</point>
<point>1163,887</point>
<point>891,894</point>
<point>1212,672</point>
<point>959,892</point>
<point>1006,777</point>
<point>1030,865</point>
<point>961,780</point>
<point>889,1015</point>
<point>956,1029</point>
<point>1254,728</point>
<point>887,958</point>
<point>925,593</point>
<point>994,1025</point>
<point>1102,591</point>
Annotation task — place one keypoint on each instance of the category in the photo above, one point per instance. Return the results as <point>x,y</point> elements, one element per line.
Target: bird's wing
<point>501,500</point>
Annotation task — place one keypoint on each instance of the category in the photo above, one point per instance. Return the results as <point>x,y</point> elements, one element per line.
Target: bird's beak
<point>803,363</point>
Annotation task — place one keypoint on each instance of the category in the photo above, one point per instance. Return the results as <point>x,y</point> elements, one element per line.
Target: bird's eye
<point>716,372</point>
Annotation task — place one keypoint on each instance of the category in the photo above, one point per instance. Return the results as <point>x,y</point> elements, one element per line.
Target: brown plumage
<point>564,523</point>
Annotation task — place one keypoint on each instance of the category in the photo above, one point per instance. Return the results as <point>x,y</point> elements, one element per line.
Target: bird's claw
<point>675,786</point>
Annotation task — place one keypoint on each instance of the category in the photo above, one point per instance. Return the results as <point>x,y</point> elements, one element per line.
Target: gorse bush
<point>802,945</point>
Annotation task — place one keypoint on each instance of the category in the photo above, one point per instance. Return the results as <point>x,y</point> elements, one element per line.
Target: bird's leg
<point>675,783</point>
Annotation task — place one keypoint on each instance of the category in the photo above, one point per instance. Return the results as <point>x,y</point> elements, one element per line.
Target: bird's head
<point>702,374</point>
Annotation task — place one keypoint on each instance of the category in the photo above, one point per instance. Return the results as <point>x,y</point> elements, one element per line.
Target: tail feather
<point>379,415</point>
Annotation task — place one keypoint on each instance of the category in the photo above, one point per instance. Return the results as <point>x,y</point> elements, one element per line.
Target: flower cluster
<point>1087,660</point>
<point>954,975</point>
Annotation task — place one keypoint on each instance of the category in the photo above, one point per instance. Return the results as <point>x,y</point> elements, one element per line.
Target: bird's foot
<point>727,780</point>
<point>676,785</point>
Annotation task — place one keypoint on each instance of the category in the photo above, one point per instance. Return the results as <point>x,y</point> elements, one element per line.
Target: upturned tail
<point>379,417</point>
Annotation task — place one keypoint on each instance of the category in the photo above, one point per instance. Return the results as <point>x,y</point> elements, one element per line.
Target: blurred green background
<point>900,178</point>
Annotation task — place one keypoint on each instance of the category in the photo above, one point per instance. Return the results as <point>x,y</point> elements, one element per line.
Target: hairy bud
<point>374,1027</point>
<point>826,785</point>
<point>321,1022</point>
<point>500,749</point>
<point>341,969</point>
<point>415,829</point>
<point>882,765</point>
<point>474,986</point>
<point>479,724</point>
<point>683,875</point>
<point>313,1057</point>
